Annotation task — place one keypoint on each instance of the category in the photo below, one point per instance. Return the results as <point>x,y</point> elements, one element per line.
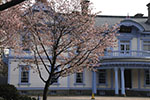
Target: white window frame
<point>102,76</point>
<point>24,74</point>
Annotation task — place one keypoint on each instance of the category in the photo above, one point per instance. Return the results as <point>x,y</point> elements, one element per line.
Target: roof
<point>112,20</point>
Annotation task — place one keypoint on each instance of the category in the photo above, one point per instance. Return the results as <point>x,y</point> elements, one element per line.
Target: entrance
<point>128,80</point>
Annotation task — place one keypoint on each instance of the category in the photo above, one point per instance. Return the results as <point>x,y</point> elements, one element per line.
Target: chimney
<point>138,15</point>
<point>148,20</point>
<point>84,6</point>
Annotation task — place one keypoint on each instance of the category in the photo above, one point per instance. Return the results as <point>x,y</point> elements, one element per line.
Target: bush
<point>1,98</point>
<point>26,98</point>
<point>9,92</point>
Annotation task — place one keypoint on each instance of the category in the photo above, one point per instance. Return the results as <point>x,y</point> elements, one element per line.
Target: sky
<point>121,7</point>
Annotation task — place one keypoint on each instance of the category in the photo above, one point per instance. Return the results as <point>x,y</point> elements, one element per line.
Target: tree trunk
<point>45,92</point>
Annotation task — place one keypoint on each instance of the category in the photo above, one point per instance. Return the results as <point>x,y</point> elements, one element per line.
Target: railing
<point>115,54</point>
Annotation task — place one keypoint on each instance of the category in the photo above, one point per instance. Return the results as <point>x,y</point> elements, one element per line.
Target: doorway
<point>128,78</point>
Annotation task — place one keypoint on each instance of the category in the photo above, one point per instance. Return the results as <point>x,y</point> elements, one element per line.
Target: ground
<point>96,98</point>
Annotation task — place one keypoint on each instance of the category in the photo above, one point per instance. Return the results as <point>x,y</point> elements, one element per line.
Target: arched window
<point>125,29</point>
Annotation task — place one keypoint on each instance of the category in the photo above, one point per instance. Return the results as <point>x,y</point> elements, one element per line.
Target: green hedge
<point>9,92</point>
<point>26,98</point>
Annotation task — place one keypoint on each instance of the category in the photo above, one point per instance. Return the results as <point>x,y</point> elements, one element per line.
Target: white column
<point>116,81</point>
<point>94,82</point>
<point>122,82</point>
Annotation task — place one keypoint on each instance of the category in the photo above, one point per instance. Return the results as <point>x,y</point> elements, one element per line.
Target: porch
<point>123,77</point>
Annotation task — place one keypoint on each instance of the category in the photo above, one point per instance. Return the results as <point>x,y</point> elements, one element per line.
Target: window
<point>79,77</point>
<point>147,77</point>
<point>125,29</point>
<point>124,46</point>
<point>102,76</point>
<point>146,47</point>
<point>24,74</point>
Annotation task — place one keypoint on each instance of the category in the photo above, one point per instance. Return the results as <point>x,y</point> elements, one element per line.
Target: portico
<point>123,77</point>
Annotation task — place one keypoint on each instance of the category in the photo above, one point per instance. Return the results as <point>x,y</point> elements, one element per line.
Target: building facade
<point>124,70</point>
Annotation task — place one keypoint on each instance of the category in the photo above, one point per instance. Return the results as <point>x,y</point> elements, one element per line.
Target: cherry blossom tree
<point>9,26</point>
<point>62,37</point>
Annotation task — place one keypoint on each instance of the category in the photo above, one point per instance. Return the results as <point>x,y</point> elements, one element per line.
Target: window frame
<point>145,44</point>
<point>83,78</point>
<point>145,53</point>
<point>20,75</point>
<point>125,52</point>
<point>105,76</point>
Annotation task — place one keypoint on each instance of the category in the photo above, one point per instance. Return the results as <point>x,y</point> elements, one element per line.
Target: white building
<point>125,68</point>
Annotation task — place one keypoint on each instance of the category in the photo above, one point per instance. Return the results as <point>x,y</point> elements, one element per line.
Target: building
<point>125,70</point>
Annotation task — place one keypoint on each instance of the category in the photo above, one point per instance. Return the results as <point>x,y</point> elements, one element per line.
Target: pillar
<point>116,81</point>
<point>122,82</point>
<point>94,82</point>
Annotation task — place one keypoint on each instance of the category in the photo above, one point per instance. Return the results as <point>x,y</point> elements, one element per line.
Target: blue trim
<point>74,88</point>
<point>9,66</point>
<point>56,83</point>
<point>24,83</point>
<point>129,67</point>
<point>138,43</point>
<point>68,81</point>
<point>130,47</point>
<point>53,88</point>
<point>139,78</point>
<point>116,63</point>
<point>116,81</point>
<point>112,80</point>
<point>25,57</point>
<point>79,84</point>
<point>94,90</point>
<point>122,81</point>
<point>142,45</point>
<point>83,78</point>
<point>20,70</point>
<point>128,22</point>
<point>118,44</point>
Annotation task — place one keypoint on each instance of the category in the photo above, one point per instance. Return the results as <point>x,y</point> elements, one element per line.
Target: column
<point>116,81</point>
<point>94,82</point>
<point>122,82</point>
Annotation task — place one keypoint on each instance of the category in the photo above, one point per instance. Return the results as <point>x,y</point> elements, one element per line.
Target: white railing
<point>133,53</point>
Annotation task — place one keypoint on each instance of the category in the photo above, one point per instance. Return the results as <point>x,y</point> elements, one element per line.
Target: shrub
<point>9,92</point>
<point>1,98</point>
<point>26,98</point>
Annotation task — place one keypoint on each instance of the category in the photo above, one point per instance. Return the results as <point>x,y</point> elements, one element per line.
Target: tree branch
<point>36,62</point>
<point>10,4</point>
